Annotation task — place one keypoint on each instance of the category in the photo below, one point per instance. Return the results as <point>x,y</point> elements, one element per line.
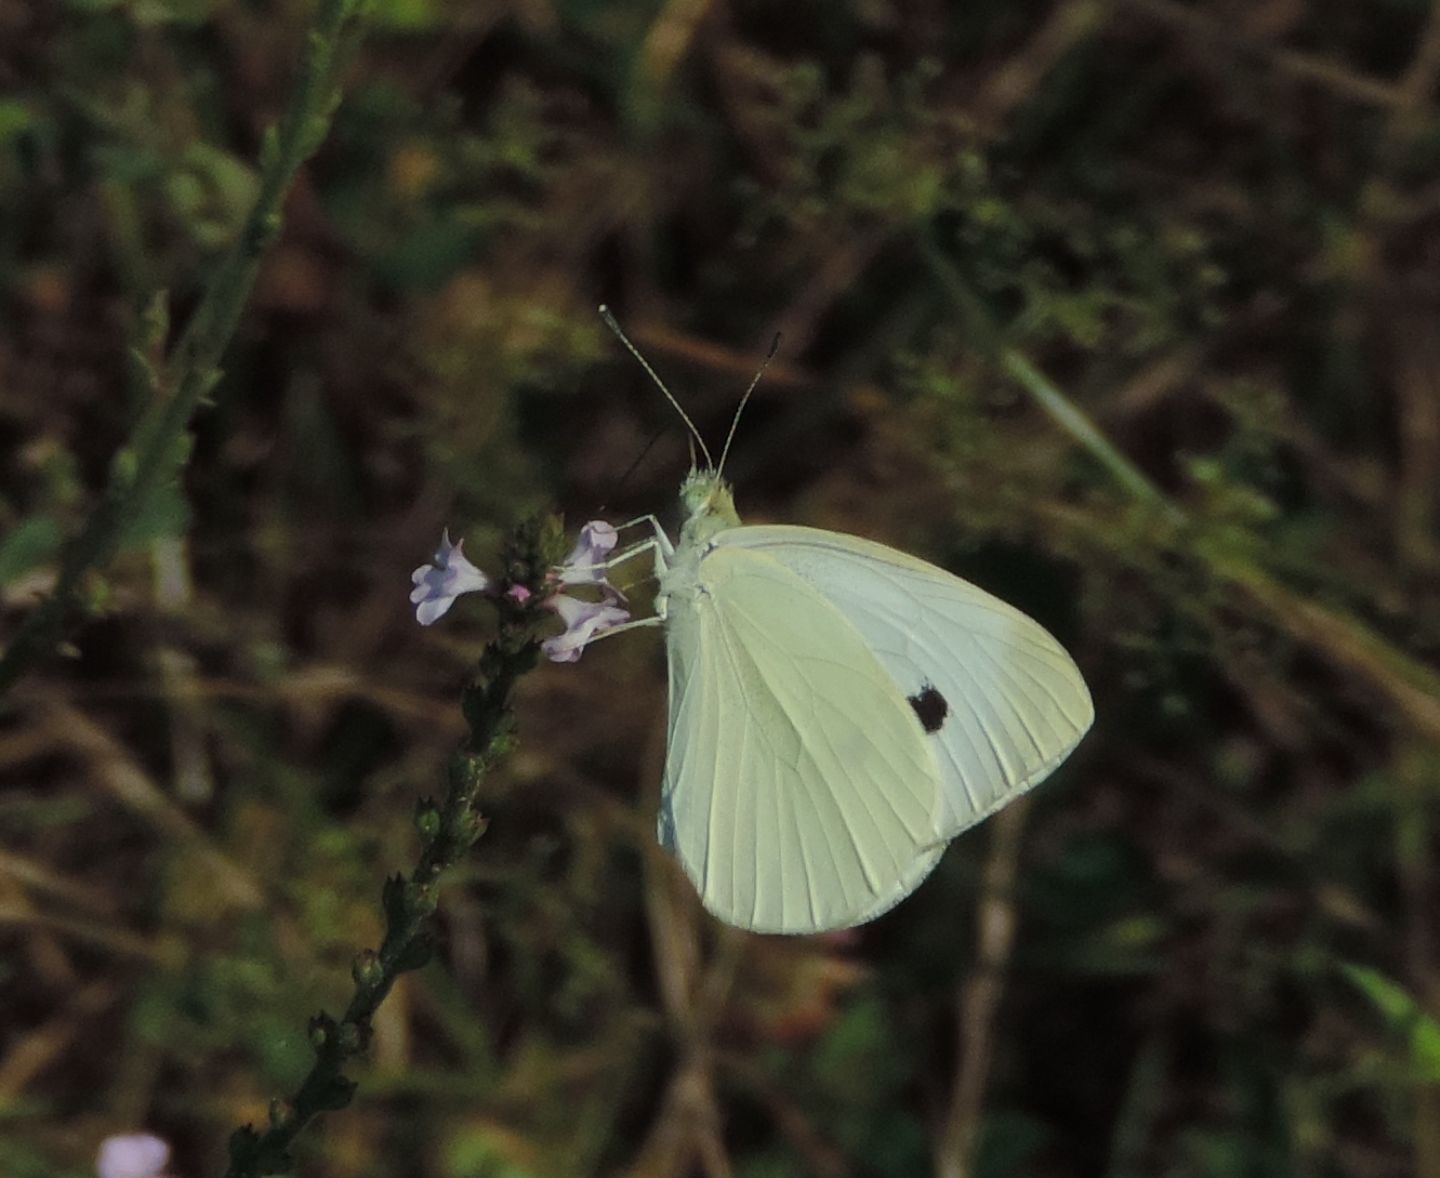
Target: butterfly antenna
<point>739,409</point>
<point>660,384</point>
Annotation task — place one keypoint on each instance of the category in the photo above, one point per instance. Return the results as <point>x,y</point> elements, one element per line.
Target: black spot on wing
<point>930,707</point>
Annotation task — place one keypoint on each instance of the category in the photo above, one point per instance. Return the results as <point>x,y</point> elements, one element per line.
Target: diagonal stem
<point>977,1005</point>
<point>158,446</point>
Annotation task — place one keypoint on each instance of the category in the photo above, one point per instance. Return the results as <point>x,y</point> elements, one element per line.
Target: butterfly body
<point>838,712</point>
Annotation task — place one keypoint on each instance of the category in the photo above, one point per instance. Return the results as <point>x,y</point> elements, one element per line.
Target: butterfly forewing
<point>1001,701</point>
<point>800,787</point>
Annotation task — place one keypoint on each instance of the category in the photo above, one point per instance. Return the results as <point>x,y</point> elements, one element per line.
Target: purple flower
<point>583,620</point>
<point>438,585</point>
<point>132,1155</point>
<point>597,539</point>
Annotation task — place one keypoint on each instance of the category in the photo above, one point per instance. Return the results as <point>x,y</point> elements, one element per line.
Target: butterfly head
<point>709,505</point>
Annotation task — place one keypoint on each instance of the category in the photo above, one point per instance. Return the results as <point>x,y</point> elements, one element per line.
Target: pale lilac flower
<point>132,1155</point>
<point>438,585</point>
<point>597,539</point>
<point>583,620</point>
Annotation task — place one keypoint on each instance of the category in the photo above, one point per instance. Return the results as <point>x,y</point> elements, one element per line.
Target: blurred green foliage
<point>1212,228</point>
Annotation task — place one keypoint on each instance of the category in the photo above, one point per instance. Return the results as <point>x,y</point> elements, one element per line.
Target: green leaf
<point>409,15</point>
<point>1403,1014</point>
<point>15,119</point>
<point>30,543</point>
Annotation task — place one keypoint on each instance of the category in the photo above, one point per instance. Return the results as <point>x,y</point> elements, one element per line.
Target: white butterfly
<point>838,712</point>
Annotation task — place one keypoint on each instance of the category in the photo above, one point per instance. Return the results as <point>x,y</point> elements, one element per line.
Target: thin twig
<point>1417,84</point>
<point>158,445</point>
<point>988,337</point>
<point>1140,1109</point>
<point>125,779</point>
<point>1020,77</point>
<point>1415,510</point>
<point>978,1002</point>
<point>31,1052</point>
<point>1417,403</point>
<point>1411,687</point>
<point>670,39</point>
<point>819,1155</point>
<point>1068,416</point>
<point>1285,62</point>
<point>687,1130</point>
<point>102,934</point>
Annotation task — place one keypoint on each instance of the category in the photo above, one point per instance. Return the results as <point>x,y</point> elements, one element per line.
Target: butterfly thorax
<point>709,511</point>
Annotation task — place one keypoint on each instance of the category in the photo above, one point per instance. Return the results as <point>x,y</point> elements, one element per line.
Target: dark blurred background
<point>1206,947</point>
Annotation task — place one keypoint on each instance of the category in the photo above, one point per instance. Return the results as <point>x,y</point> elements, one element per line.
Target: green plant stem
<point>989,337</point>
<point>158,445</point>
<point>1411,687</point>
<point>1068,416</point>
<point>447,832</point>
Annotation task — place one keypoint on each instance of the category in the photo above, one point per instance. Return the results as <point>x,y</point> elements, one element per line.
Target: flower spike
<point>437,585</point>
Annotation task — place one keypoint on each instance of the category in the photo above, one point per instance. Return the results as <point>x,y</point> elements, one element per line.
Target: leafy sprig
<point>159,446</point>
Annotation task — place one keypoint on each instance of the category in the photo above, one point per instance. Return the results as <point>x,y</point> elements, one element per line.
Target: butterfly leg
<point>641,519</point>
<point>656,620</point>
<point>625,555</point>
<point>659,543</point>
<point>661,540</point>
